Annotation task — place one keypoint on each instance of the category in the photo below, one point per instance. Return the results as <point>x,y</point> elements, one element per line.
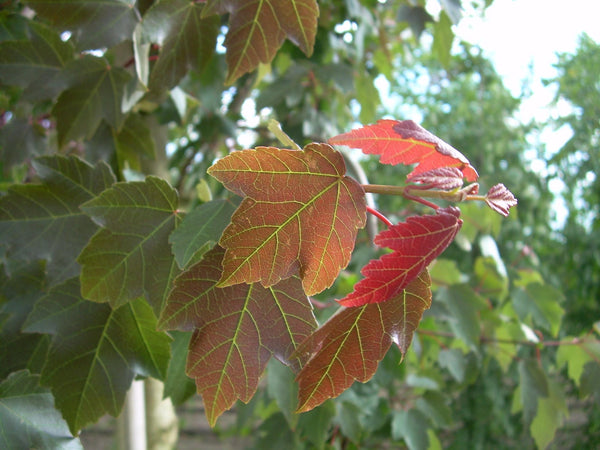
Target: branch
<point>489,340</point>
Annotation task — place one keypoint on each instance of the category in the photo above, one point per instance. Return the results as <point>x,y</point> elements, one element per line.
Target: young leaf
<point>237,329</point>
<point>351,343</point>
<point>43,221</point>
<point>258,28</point>
<point>300,215</point>
<point>415,244</point>
<point>405,142</point>
<point>500,199</point>
<point>186,38</point>
<point>28,418</point>
<point>131,255</point>
<point>96,351</point>
<point>444,178</point>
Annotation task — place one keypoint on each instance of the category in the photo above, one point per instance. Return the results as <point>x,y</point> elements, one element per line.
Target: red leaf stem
<point>380,216</point>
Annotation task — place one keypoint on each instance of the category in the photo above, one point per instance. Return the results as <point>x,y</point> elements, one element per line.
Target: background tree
<point>112,113</point>
<point>576,166</point>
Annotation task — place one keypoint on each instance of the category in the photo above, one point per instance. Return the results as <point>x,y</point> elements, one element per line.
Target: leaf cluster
<point>127,251</point>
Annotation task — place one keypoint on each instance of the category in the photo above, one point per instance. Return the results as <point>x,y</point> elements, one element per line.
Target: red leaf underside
<point>300,216</point>
<point>351,343</point>
<point>415,244</point>
<point>406,142</point>
<point>444,178</point>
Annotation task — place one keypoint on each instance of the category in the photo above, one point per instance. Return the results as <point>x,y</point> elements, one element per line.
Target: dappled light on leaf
<point>405,142</point>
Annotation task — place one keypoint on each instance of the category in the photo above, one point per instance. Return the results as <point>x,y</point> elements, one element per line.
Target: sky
<point>522,38</point>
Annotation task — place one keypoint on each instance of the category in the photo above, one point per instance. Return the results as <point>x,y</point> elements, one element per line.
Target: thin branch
<point>485,339</point>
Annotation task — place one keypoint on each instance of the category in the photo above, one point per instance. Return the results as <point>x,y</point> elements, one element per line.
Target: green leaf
<point>490,280</point>
<point>368,97</point>
<point>454,361</point>
<point>282,388</point>
<point>533,385</point>
<point>539,304</point>
<point>314,425</point>
<point>551,412</point>
<point>236,329</point>
<point>442,38</point>
<point>411,426</point>
<point>274,433</point>
<point>28,418</point>
<point>444,272</point>
<point>33,62</point>
<point>95,93</point>
<point>20,291</point>
<point>96,351</point>
<point>12,26</point>
<point>21,140</point>
<point>590,379</point>
<point>186,38</point>
<point>43,221</point>
<point>200,230</point>
<point>178,386</point>
<point>94,23</point>
<point>131,255</point>
<point>463,305</point>
<point>133,142</point>
<point>435,406</point>
<point>576,356</point>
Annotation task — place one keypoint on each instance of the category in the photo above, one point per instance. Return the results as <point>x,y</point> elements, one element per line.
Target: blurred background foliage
<point>494,363</point>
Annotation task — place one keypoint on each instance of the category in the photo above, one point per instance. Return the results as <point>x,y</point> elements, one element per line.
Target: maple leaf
<point>406,142</point>
<point>500,199</point>
<point>96,351</point>
<point>236,330</point>
<point>351,343</point>
<point>257,28</point>
<point>44,221</point>
<point>415,244</point>
<point>94,23</point>
<point>186,38</point>
<point>300,215</point>
<point>130,256</point>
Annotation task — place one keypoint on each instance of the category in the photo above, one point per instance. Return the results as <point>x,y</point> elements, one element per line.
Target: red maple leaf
<point>300,215</point>
<point>406,142</point>
<point>236,330</point>
<point>415,244</point>
<point>351,343</point>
